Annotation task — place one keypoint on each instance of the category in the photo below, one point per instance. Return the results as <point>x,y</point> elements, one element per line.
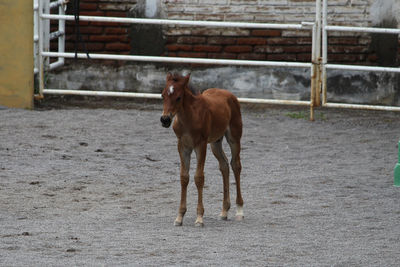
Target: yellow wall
<point>16,53</point>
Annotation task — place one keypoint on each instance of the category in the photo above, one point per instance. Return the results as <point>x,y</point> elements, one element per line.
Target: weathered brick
<point>207,48</point>
<point>121,14</point>
<point>179,15</point>
<point>343,41</point>
<point>251,41</point>
<point>202,31</point>
<point>192,54</point>
<point>88,6</point>
<point>303,57</point>
<point>115,7</point>
<point>240,2</point>
<point>94,47</point>
<point>251,56</point>
<point>107,38</point>
<point>238,48</point>
<point>91,30</point>
<point>239,17</point>
<point>92,13</point>
<point>271,33</point>
<point>179,47</point>
<point>213,2</point>
<point>223,55</point>
<point>191,40</point>
<point>347,49</point>
<point>212,17</point>
<point>268,49</point>
<point>296,49</point>
<point>281,57</point>
<point>235,32</point>
<point>117,46</point>
<point>282,41</point>
<point>221,40</point>
<point>115,30</point>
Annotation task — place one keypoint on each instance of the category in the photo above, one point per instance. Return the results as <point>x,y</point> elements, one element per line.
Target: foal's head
<point>173,97</point>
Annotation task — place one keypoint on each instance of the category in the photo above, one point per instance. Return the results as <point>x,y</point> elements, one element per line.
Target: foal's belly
<point>216,135</point>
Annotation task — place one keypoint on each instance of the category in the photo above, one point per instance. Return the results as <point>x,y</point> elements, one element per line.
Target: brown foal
<point>199,120</point>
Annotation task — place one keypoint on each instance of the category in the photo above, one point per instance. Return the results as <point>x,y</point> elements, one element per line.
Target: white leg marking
<point>239,211</point>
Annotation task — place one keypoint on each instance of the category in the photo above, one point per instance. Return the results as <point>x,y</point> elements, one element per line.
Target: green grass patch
<point>305,115</point>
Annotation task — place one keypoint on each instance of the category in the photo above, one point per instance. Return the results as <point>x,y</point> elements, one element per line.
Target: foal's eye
<point>178,99</point>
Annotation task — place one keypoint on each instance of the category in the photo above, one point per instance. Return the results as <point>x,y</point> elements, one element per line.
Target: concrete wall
<point>353,87</point>
<point>271,83</point>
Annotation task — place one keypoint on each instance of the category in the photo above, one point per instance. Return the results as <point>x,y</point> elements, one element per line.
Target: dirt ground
<point>100,187</point>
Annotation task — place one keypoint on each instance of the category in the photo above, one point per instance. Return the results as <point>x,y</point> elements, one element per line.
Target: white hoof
<point>239,214</point>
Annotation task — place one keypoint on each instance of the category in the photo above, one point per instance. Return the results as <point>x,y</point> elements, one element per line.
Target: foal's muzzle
<point>165,121</point>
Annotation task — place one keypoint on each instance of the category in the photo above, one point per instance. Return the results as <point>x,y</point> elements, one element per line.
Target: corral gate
<point>318,65</point>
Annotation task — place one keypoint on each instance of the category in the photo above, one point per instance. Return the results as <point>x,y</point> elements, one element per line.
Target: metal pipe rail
<point>182,60</point>
<point>225,24</point>
<point>158,96</point>
<point>362,29</point>
<point>361,68</point>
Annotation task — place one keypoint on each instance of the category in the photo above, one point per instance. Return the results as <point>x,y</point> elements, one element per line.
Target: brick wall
<point>99,37</point>
<point>252,44</point>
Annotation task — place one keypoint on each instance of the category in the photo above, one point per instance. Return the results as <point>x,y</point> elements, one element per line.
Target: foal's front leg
<point>199,180</point>
<point>184,154</point>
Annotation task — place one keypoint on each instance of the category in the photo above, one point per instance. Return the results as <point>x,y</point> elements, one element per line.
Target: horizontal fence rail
<point>158,96</point>
<point>361,68</point>
<point>183,60</point>
<point>225,24</point>
<point>362,29</point>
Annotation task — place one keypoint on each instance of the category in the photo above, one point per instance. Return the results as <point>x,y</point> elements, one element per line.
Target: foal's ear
<point>187,78</point>
<point>169,76</point>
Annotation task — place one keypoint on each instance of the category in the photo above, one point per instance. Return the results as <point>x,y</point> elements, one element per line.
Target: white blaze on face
<point>171,90</point>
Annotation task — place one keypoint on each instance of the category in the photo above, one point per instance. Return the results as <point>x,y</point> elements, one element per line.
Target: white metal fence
<point>318,65</point>
<point>325,65</point>
<point>45,35</point>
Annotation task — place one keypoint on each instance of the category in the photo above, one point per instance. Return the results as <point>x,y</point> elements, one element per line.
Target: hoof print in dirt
<point>223,218</point>
<point>199,224</point>
<point>239,218</point>
<point>177,223</point>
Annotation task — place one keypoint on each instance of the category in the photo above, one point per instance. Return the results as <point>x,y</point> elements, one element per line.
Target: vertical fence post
<point>40,55</point>
<point>317,59</point>
<point>61,28</point>
<point>315,100</point>
<point>313,73</point>
<point>324,51</point>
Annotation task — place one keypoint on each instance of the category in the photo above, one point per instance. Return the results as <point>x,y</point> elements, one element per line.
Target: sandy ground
<point>100,187</point>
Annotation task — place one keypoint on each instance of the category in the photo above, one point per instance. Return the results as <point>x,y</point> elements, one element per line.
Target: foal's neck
<point>189,101</point>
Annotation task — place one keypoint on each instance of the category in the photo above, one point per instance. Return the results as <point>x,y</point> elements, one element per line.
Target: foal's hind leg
<point>224,168</point>
<point>233,139</point>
